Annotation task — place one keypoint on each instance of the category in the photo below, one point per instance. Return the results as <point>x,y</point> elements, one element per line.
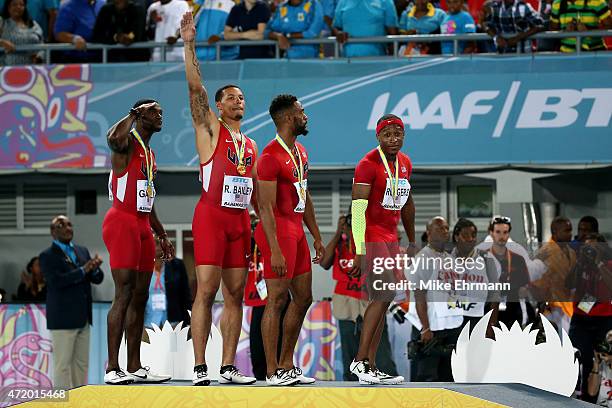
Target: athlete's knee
<point>303,303</point>
<point>205,296</point>
<point>277,302</point>
<point>123,294</point>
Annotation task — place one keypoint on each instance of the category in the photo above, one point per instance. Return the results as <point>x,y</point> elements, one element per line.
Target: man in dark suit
<point>169,293</point>
<point>69,272</point>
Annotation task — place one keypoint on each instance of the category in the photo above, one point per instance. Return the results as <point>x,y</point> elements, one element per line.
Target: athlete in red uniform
<point>221,225</point>
<point>126,231</point>
<point>284,202</point>
<point>381,196</point>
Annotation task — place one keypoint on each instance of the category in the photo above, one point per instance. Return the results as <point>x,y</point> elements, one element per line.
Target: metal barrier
<point>389,39</point>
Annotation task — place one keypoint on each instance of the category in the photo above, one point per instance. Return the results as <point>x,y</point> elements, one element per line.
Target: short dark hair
<point>591,220</point>
<point>500,219</point>
<point>219,93</point>
<point>280,104</point>
<point>387,116</point>
<point>558,220</point>
<point>142,102</point>
<point>461,224</point>
<point>30,264</point>
<point>26,16</point>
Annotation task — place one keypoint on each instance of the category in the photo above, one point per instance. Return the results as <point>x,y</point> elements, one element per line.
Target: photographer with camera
<point>600,377</point>
<point>591,280</point>
<point>349,302</point>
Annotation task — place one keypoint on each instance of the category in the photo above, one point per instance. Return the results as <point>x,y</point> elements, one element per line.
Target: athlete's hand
<point>167,249</point>
<point>279,265</point>
<point>355,271</point>
<point>319,251</point>
<point>143,108</point>
<point>187,27</point>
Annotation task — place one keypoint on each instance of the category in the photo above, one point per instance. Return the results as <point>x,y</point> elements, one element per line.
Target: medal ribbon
<point>148,161</point>
<point>239,150</point>
<point>300,168</point>
<point>394,186</point>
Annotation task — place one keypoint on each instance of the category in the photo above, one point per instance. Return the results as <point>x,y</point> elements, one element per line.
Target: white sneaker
<point>144,375</point>
<point>118,377</point>
<point>302,379</point>
<point>232,376</point>
<point>282,377</point>
<point>200,375</point>
<point>387,379</point>
<point>363,371</point>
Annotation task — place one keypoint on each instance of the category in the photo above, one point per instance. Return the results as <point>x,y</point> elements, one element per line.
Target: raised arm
<point>204,120</point>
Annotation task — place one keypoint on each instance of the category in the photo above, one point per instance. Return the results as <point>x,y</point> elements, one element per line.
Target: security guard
<point>296,19</point>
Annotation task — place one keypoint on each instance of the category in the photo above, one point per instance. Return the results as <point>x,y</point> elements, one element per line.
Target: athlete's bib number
<point>396,203</point>
<point>143,202</point>
<point>301,193</point>
<point>236,192</point>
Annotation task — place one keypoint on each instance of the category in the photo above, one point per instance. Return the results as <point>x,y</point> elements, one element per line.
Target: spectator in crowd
<point>164,23</point>
<point>255,296</point>
<point>478,266</point>
<point>121,22</point>
<point>210,18</point>
<point>587,225</point>
<point>457,21</point>
<point>511,23</point>
<point>32,287</point>
<point>296,19</point>
<point>513,307</point>
<point>436,326</point>
<point>18,28</point>
<point>69,271</point>
<point>545,10</point>
<point>423,18</point>
<point>348,304</point>
<point>581,15</point>
<point>560,259</point>
<point>247,21</point>
<point>329,11</point>
<point>169,293</point>
<point>591,280</point>
<point>74,25</point>
<point>600,377</point>
<point>355,18</point>
<point>481,18</point>
<point>44,12</point>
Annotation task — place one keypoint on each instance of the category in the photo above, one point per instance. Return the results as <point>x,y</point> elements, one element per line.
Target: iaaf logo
<point>541,108</point>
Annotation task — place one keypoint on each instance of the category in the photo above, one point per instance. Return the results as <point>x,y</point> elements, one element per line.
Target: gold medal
<point>149,191</point>
<point>299,166</point>
<point>240,167</point>
<point>302,194</point>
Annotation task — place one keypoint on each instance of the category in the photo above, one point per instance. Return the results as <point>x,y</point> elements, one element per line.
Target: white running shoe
<point>118,377</point>
<point>297,373</point>
<point>387,379</point>
<point>364,372</point>
<point>282,377</point>
<point>144,375</point>
<point>231,375</point>
<point>200,375</point>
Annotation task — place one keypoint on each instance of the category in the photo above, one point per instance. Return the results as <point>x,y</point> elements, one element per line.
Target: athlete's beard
<point>300,129</point>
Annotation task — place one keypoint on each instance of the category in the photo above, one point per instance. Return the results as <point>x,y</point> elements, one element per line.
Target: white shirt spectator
<point>168,21</point>
<point>536,267</point>
<point>604,399</point>
<point>427,268</point>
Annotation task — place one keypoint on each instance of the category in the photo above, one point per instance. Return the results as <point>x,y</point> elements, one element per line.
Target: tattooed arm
<point>204,120</point>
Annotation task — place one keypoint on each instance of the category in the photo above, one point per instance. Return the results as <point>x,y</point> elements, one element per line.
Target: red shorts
<point>220,237</point>
<point>293,246</point>
<point>129,240</point>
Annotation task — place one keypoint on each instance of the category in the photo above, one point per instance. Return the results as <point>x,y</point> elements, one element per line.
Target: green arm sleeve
<point>358,224</point>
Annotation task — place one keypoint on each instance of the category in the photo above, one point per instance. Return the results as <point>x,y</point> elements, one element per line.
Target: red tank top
<point>128,190</point>
<point>222,185</point>
<point>275,164</point>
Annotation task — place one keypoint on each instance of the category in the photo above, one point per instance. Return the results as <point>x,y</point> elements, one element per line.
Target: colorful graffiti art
<point>43,111</point>
<point>25,348</point>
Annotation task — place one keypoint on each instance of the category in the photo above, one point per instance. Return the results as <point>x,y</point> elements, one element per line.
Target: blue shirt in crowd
<point>157,315</point>
<point>427,24</point>
<point>210,18</point>
<point>365,18</point>
<point>459,23</point>
<point>78,17</point>
<point>305,18</point>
